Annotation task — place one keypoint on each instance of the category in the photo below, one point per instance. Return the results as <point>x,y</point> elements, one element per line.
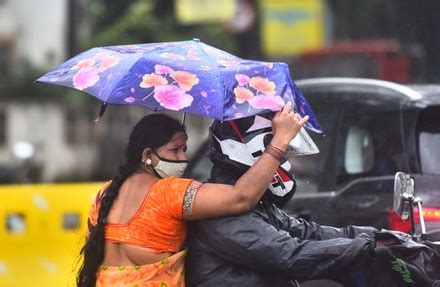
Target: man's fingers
<point>287,107</point>
<point>304,120</point>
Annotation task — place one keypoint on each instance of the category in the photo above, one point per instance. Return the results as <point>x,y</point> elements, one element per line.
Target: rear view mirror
<point>403,195</point>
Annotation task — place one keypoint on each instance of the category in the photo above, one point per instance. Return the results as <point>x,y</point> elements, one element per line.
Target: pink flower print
<point>193,58</point>
<point>267,102</point>
<point>171,97</point>
<point>239,115</point>
<point>205,68</point>
<point>228,63</point>
<point>109,76</point>
<point>172,56</point>
<point>152,80</point>
<point>204,94</point>
<point>263,85</point>
<point>242,79</point>
<point>107,61</point>
<point>191,49</point>
<point>185,80</point>
<point>269,65</point>
<point>129,100</point>
<point>192,52</point>
<point>85,78</point>
<point>162,69</point>
<point>242,94</point>
<point>132,90</point>
<point>84,63</point>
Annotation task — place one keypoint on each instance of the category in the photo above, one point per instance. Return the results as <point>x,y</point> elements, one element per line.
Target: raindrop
<point>3,268</point>
<point>40,202</point>
<point>49,266</point>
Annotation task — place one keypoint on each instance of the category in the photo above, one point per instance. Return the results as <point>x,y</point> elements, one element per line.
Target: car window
<point>310,170</point>
<point>359,151</point>
<point>428,131</point>
<point>362,138</point>
<point>373,145</point>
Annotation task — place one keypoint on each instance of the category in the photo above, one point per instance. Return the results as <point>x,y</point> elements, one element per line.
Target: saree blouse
<point>158,223</point>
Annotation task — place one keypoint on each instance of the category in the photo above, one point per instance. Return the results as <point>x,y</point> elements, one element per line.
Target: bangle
<point>277,153</point>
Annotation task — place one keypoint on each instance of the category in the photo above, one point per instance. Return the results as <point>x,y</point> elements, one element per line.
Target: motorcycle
<point>413,260</point>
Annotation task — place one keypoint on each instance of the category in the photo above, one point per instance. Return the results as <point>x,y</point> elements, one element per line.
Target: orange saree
<point>158,225</point>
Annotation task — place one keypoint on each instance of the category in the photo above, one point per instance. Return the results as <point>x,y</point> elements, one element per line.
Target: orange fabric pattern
<point>166,273</point>
<point>158,224</point>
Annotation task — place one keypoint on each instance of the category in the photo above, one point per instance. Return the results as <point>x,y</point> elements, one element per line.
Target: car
<point>372,129</point>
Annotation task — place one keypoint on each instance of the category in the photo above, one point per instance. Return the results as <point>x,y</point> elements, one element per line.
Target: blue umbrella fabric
<point>187,76</point>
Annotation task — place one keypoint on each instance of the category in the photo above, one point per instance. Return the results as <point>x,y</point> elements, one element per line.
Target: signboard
<point>291,27</point>
<point>204,11</point>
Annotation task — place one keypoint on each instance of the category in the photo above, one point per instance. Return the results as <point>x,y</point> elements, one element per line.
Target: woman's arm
<point>213,200</point>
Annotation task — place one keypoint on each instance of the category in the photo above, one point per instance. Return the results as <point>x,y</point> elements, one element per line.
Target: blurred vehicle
<point>383,59</point>
<point>372,129</point>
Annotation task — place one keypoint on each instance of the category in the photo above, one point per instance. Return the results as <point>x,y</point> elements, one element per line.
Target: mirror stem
<point>413,224</point>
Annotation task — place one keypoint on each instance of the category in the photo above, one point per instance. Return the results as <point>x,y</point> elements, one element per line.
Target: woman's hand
<point>286,124</point>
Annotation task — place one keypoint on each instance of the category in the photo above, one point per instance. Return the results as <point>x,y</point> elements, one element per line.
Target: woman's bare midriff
<point>117,254</point>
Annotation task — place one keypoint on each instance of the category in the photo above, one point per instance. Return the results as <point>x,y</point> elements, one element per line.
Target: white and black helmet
<point>237,144</point>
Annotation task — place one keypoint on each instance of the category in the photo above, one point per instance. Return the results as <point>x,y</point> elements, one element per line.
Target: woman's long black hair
<point>151,131</point>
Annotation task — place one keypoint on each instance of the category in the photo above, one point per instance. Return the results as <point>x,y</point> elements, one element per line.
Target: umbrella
<point>187,76</point>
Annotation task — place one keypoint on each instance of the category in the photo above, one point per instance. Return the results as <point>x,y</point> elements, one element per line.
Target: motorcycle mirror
<point>403,195</point>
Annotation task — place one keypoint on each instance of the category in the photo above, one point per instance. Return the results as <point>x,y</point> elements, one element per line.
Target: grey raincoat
<point>266,247</point>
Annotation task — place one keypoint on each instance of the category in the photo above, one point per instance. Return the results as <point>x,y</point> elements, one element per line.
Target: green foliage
<point>140,23</point>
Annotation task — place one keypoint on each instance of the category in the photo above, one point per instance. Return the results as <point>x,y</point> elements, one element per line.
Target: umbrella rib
<point>219,79</point>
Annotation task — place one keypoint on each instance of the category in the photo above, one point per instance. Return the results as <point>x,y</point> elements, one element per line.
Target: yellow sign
<point>42,231</point>
<point>203,11</point>
<point>291,27</point>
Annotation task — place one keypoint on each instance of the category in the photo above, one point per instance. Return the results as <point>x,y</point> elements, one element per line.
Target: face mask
<point>166,167</point>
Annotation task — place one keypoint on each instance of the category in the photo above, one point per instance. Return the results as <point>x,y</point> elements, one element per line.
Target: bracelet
<point>277,153</point>
<point>280,150</point>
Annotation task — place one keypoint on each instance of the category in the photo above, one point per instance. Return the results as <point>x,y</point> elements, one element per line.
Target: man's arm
<point>249,241</point>
<point>309,230</point>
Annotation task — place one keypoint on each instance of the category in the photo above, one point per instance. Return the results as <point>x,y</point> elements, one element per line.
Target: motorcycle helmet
<point>237,144</point>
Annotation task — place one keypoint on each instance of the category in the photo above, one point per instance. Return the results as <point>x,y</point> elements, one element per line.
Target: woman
<point>137,222</point>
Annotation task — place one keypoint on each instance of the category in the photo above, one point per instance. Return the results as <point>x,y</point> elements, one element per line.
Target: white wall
<point>43,125</point>
<point>38,28</point>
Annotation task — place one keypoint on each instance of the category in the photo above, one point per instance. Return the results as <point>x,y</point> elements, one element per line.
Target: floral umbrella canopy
<point>187,76</point>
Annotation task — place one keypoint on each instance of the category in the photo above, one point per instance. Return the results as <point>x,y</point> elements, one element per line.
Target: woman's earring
<point>146,162</point>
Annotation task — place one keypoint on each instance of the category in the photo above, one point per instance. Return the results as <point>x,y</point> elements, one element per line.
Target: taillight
<point>431,213</point>
<point>396,223</point>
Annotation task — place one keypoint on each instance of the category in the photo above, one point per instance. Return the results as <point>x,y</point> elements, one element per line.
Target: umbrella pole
<point>183,119</point>
<point>101,112</point>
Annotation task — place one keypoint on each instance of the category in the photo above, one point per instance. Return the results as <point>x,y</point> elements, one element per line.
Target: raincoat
<point>265,247</point>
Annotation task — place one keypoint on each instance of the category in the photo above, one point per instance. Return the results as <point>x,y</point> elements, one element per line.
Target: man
<point>266,247</point>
